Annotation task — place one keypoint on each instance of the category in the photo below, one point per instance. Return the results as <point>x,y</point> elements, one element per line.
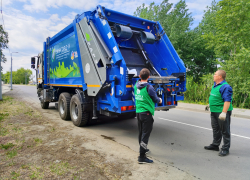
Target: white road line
<point>200,127</point>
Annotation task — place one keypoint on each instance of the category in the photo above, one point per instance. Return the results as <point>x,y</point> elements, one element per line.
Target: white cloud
<point>43,5</point>
<point>27,34</point>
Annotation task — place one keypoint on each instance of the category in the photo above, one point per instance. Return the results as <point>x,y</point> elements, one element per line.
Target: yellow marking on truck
<point>93,85</point>
<point>128,86</point>
<point>63,85</point>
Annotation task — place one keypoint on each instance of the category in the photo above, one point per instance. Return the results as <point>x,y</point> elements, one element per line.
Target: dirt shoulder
<point>36,144</point>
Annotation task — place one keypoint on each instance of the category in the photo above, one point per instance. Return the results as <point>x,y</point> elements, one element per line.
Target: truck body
<point>90,67</point>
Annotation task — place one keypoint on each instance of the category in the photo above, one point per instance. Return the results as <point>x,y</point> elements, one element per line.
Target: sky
<point>30,22</point>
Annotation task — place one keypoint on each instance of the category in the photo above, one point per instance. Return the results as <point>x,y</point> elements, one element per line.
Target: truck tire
<point>63,106</point>
<point>79,117</point>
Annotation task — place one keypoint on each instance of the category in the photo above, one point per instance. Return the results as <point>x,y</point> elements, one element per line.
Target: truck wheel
<point>78,116</point>
<point>63,106</point>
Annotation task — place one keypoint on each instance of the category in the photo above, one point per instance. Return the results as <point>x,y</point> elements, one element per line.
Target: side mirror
<point>33,60</point>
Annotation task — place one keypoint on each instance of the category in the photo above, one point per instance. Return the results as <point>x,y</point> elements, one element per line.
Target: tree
<point>189,44</point>
<point>228,34</point>
<point>202,54</point>
<point>7,77</point>
<point>232,28</point>
<point>19,76</point>
<point>3,42</point>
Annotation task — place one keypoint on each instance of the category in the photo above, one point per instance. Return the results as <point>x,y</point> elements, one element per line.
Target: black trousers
<point>145,126</point>
<point>221,129</point>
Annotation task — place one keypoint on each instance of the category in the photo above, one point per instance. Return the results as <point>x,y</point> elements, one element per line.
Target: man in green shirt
<point>220,103</point>
<point>146,98</point>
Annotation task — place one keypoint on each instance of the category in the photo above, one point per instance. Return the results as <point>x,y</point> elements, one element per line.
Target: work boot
<point>223,152</point>
<point>147,151</point>
<point>212,147</point>
<point>144,160</point>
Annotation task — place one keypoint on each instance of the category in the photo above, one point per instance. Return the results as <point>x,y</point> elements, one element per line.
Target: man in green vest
<point>146,98</point>
<point>220,103</point>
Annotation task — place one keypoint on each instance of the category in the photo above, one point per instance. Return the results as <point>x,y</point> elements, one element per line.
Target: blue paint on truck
<point>96,60</point>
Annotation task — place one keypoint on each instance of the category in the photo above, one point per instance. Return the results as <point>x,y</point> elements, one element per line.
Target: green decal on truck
<point>64,59</point>
<point>88,37</point>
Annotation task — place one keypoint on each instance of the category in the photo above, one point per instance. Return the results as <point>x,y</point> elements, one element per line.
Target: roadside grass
<point>36,173</point>
<point>38,141</point>
<point>7,146</point>
<point>59,168</point>
<point>29,153</point>
<point>11,153</point>
<point>15,175</point>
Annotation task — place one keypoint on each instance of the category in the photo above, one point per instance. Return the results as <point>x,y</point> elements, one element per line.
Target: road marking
<point>200,127</point>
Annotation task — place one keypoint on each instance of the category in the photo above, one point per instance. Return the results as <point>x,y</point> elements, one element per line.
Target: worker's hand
<point>223,116</point>
<point>160,101</point>
<point>207,108</point>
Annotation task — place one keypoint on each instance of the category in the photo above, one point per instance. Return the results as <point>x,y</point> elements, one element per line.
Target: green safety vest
<point>143,101</point>
<point>216,102</point>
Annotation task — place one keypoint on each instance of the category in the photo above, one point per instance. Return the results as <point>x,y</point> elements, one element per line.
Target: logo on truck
<point>88,37</point>
<point>90,48</point>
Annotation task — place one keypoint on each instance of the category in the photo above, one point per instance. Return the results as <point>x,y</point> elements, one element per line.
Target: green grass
<point>38,141</point>
<point>7,146</point>
<point>3,131</point>
<point>11,153</point>
<point>14,175</point>
<point>6,98</point>
<point>36,174</point>
<point>59,168</point>
<point>17,129</point>
<point>30,113</point>
<point>2,116</point>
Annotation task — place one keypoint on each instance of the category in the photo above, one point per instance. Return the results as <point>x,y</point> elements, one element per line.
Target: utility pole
<point>11,72</point>
<point>1,98</point>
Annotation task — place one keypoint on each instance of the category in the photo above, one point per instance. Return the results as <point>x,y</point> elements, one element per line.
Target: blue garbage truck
<point>90,67</point>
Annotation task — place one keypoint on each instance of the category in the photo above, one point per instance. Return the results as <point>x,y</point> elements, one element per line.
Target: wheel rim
<point>74,111</point>
<point>61,106</point>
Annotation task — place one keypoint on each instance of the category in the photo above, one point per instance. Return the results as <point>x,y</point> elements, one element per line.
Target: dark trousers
<point>145,126</point>
<point>221,129</point>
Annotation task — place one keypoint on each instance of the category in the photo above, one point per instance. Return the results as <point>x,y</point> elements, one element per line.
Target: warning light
<point>148,27</point>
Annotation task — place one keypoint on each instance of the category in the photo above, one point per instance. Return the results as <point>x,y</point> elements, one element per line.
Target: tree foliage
<point>232,46</point>
<point>19,76</point>
<point>222,38</point>
<point>189,44</point>
<point>3,42</point>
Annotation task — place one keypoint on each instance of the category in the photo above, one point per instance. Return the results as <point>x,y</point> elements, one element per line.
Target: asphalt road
<point>178,139</point>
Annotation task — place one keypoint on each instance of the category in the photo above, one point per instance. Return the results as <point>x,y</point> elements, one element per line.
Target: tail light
<point>127,108</point>
<point>130,107</point>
